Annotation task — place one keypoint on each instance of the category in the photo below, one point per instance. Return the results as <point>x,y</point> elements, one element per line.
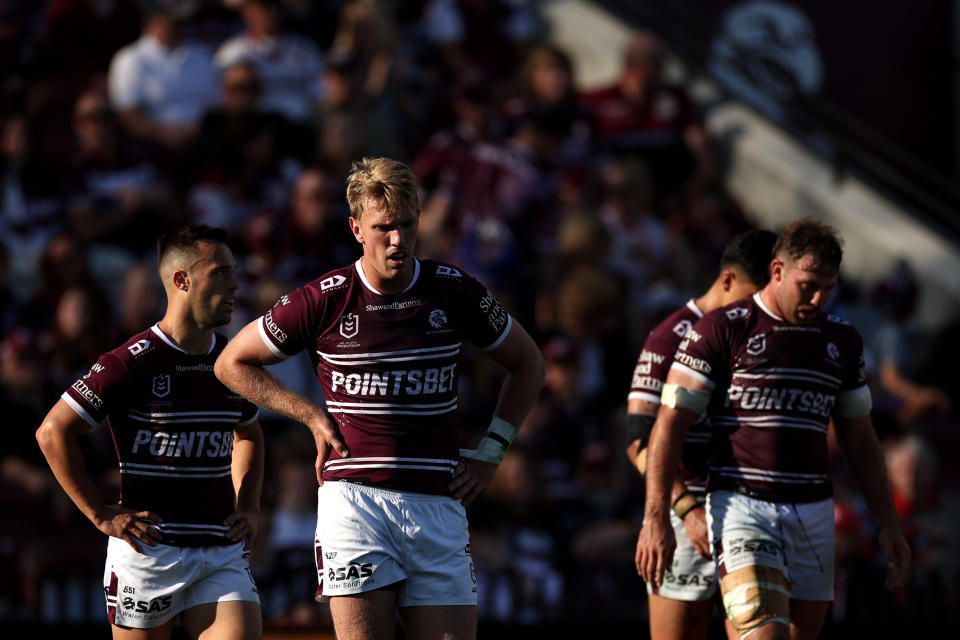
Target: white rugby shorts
<point>691,577</point>
<point>145,590</point>
<point>370,538</point>
<point>794,539</point>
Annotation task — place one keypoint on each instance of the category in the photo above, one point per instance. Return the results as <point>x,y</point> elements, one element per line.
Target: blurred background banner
<point>872,85</point>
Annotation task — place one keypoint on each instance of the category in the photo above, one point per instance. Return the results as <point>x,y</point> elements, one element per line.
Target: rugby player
<point>773,372</point>
<point>190,453</point>
<point>385,335</point>
<point>681,606</point>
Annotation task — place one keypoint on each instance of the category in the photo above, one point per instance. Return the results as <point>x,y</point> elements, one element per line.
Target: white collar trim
<point>366,283</point>
<point>160,334</point>
<point>692,305</point>
<point>763,307</point>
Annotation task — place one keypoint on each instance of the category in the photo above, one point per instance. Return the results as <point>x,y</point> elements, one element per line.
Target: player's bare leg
<point>678,619</point>
<point>155,633</point>
<point>234,620</point>
<point>806,618</point>
<point>365,616</point>
<point>440,623</point>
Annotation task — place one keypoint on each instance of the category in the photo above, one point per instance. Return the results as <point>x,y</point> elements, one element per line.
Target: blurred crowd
<point>591,213</point>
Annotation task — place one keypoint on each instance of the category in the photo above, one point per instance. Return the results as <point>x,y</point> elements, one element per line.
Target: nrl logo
<point>161,385</point>
<point>756,344</point>
<point>349,325</point>
<point>437,318</point>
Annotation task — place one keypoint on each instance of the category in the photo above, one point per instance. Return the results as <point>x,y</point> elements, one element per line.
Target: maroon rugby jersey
<point>775,386</point>
<point>172,423</point>
<point>653,363</point>
<point>387,364</point>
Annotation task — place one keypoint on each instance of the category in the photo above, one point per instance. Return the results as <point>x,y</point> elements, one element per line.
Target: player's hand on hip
<point>133,527</point>
<point>695,524</point>
<point>898,554</point>
<point>327,437</point>
<point>469,479</point>
<point>655,546</point>
<point>243,526</point>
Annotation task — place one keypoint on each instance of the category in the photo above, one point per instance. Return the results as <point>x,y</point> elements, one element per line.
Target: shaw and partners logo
<point>349,325</point>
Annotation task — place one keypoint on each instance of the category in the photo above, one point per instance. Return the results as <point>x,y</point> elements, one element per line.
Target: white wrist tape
<point>493,447</point>
<point>677,397</point>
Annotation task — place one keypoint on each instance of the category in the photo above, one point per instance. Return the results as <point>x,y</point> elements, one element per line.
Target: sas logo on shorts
<point>353,571</point>
<point>349,325</point>
<point>753,547</point>
<point>438,318</point>
<point>147,606</point>
<point>687,580</point>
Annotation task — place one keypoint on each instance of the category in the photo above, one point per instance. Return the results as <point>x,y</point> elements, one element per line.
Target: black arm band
<point>639,426</point>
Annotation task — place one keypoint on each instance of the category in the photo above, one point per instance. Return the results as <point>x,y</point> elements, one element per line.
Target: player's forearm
<point>65,458</point>
<point>663,459</point>
<point>262,388</point>
<point>519,391</point>
<point>247,469</point>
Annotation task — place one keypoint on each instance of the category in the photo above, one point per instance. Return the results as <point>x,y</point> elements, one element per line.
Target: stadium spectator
<point>118,194</point>
<point>244,158</point>
<point>160,86</point>
<point>289,66</point>
<point>895,348</point>
<point>644,116</point>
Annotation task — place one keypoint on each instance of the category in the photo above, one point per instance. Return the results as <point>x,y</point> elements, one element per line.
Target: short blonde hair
<point>389,184</point>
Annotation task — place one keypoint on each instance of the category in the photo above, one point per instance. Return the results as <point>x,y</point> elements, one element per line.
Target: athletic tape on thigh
<point>755,596</point>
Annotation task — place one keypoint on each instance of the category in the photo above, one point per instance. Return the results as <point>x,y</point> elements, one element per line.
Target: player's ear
<point>181,280</point>
<point>776,269</point>
<point>727,278</point>
<point>355,228</point>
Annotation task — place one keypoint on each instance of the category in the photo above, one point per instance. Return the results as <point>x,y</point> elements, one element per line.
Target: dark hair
<point>751,251</point>
<point>809,236</point>
<point>185,238</point>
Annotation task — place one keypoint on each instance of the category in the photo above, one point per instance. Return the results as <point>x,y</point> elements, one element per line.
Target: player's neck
<point>769,299</point>
<point>186,334</point>
<point>388,286</point>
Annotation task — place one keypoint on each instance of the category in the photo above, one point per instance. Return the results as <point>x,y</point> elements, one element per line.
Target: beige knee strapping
<point>755,596</point>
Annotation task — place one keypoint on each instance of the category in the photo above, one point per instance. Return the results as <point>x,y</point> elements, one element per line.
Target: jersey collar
<point>366,283</point>
<point>160,334</point>
<point>694,308</point>
<point>763,307</point>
